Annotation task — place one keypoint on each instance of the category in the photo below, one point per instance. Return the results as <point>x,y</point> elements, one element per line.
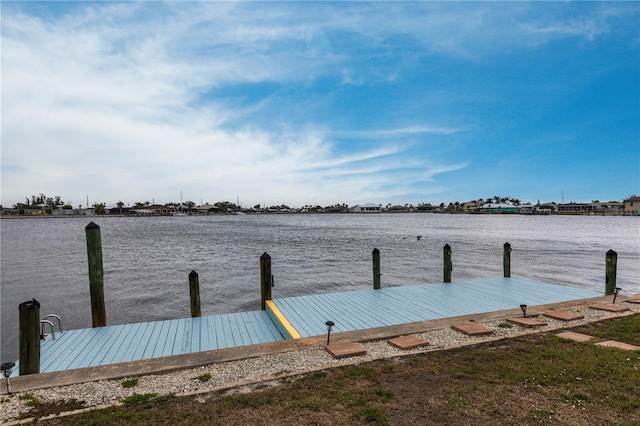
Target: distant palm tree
<point>120,205</point>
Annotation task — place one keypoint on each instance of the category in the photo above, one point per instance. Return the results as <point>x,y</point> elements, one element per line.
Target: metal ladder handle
<point>53,333</point>
<point>56,317</point>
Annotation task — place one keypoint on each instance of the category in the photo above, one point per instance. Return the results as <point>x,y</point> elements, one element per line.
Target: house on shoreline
<point>367,208</point>
<point>73,212</point>
<point>497,208</point>
<point>632,206</point>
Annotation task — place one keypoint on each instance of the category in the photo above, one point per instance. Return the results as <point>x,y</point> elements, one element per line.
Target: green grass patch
<point>129,383</point>
<point>505,325</point>
<point>371,415</point>
<point>624,329</point>
<point>385,395</point>
<point>204,377</point>
<point>139,397</point>
<point>31,400</point>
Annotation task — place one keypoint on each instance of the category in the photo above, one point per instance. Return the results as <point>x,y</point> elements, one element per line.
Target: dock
<point>293,318</point>
<point>365,309</point>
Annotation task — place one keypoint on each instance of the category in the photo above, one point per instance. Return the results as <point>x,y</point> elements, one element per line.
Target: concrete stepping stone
<point>619,345</point>
<point>563,315</point>
<point>407,342</point>
<point>345,349</point>
<point>608,307</point>
<point>472,329</point>
<point>526,322</point>
<point>634,299</point>
<point>572,335</point>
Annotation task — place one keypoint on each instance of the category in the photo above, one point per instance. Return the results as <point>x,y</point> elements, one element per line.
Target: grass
<point>129,383</point>
<point>533,379</point>
<point>204,377</point>
<point>31,400</point>
<point>139,397</point>
<point>40,408</point>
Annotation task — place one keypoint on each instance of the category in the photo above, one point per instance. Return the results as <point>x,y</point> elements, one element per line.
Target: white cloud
<point>396,133</point>
<point>114,99</point>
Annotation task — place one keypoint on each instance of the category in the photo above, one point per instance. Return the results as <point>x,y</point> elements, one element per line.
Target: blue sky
<point>320,102</point>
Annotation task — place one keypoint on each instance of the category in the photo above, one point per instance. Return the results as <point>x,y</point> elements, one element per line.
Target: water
<point>147,260</point>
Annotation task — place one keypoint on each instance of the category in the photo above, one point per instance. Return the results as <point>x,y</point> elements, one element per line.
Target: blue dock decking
<point>90,347</point>
<point>362,309</point>
<point>350,310</point>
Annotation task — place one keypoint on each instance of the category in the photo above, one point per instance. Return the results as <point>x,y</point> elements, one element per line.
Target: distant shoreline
<point>48,216</point>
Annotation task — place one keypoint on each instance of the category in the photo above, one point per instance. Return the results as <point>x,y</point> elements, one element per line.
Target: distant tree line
<point>41,201</point>
<point>48,204</point>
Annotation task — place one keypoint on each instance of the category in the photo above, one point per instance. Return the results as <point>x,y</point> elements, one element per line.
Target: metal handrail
<point>56,317</point>
<point>53,333</point>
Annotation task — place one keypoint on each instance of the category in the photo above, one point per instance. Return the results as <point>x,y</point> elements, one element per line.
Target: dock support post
<point>29,337</point>
<point>376,268</point>
<point>96,275</point>
<point>266,279</point>
<point>448,266</point>
<point>506,260</point>
<point>611,263</point>
<point>194,293</point>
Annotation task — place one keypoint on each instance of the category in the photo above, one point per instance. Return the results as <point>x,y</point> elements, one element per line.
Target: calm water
<point>147,260</point>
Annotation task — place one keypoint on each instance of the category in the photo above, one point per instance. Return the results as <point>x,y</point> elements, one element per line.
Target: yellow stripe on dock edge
<point>282,320</point>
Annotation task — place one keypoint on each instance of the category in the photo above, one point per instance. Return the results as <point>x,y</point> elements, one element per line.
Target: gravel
<point>257,373</point>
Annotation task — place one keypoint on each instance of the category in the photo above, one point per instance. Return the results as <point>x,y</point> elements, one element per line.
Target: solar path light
<point>6,372</point>
<point>329,325</point>
<point>615,293</point>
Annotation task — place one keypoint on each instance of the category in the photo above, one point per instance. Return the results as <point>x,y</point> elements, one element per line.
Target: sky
<point>319,103</point>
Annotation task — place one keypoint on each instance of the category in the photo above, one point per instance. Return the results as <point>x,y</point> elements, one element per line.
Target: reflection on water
<point>147,260</point>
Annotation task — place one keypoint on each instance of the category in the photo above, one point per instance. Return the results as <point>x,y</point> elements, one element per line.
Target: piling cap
<point>91,225</point>
<point>611,253</point>
<point>31,304</point>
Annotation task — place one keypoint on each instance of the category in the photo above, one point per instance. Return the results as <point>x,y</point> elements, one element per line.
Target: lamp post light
<point>329,325</point>
<point>6,372</point>
<point>615,293</point>
<point>524,310</point>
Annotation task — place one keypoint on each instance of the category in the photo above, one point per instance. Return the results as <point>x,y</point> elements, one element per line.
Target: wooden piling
<point>29,336</point>
<point>448,266</point>
<point>376,268</point>
<point>194,293</point>
<point>266,279</point>
<point>611,263</point>
<point>96,275</point>
<point>506,260</point>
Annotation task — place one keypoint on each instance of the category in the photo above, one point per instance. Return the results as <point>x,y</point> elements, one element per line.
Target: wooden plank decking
<point>114,344</point>
<point>362,309</point>
<point>350,310</point>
